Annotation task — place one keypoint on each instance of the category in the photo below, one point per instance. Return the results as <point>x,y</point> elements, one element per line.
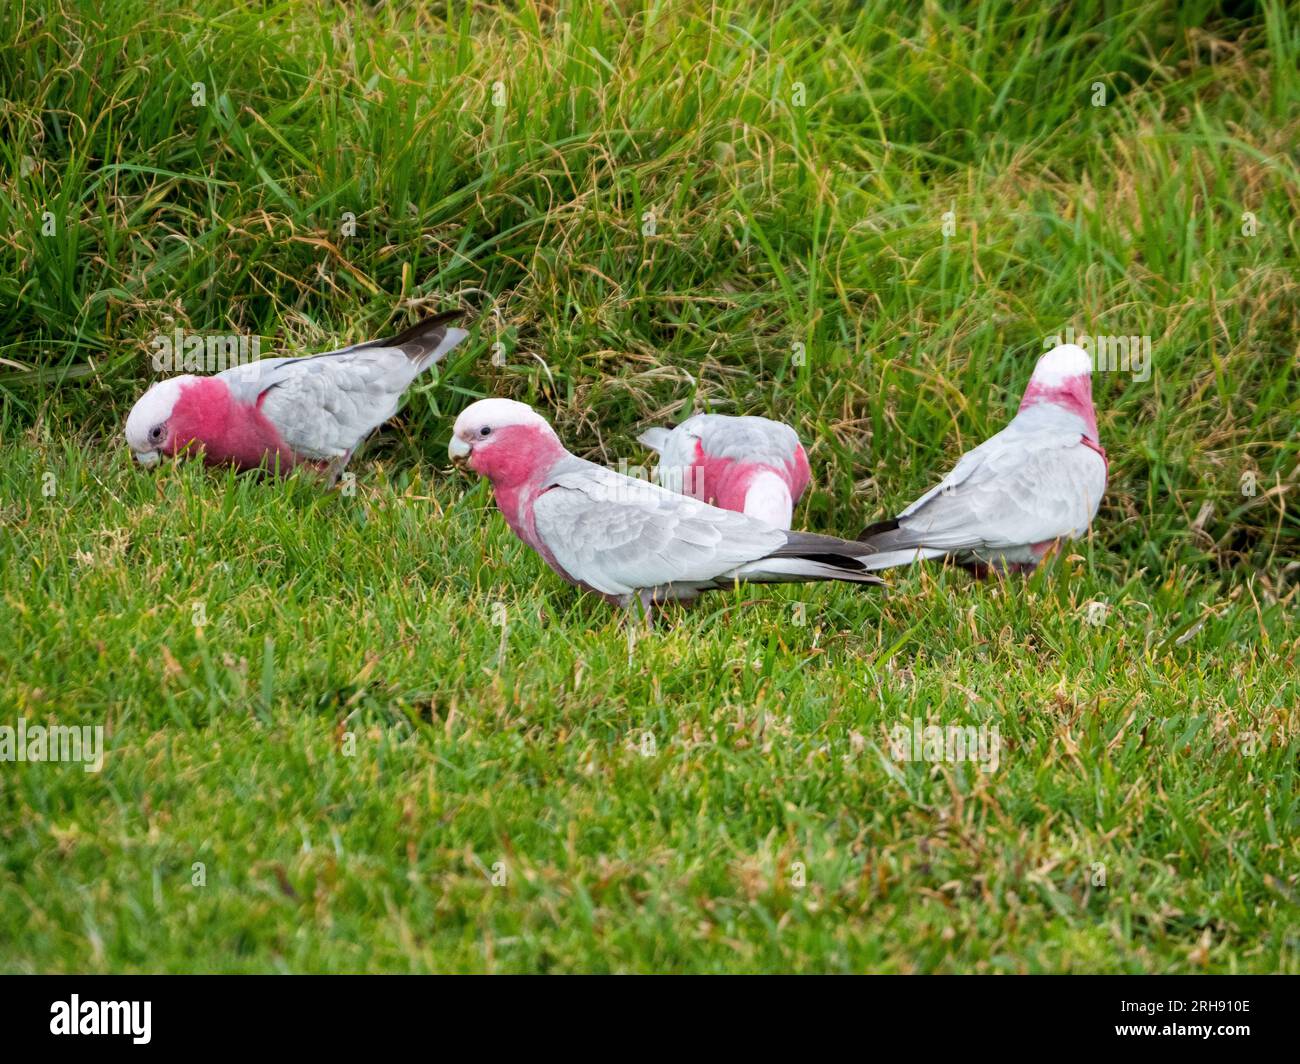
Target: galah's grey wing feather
<point>966,467</point>
<point>740,439</point>
<point>422,345</point>
<point>746,439</point>
<point>1012,493</point>
<point>324,405</point>
<point>617,534</point>
<point>250,380</point>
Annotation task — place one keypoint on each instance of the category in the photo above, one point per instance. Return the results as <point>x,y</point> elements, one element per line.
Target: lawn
<point>368,730</point>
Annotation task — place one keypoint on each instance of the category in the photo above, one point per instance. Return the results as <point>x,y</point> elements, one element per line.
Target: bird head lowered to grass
<point>284,412</point>
<point>628,540</point>
<point>1009,501</point>
<point>751,464</point>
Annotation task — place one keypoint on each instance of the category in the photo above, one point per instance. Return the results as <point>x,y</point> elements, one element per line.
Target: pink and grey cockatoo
<point>626,539</point>
<point>282,412</point>
<point>1008,502</point>
<point>748,464</point>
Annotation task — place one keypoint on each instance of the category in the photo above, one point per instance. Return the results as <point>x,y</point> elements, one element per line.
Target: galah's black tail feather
<point>837,555</point>
<point>877,529</point>
<point>808,544</point>
<point>422,338</point>
<point>888,536</point>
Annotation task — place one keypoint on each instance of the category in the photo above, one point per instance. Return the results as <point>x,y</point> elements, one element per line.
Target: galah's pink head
<point>149,425</point>
<point>1063,377</point>
<point>505,441</point>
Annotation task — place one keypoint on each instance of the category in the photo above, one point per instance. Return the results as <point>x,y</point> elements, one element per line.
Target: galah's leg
<point>640,609</point>
<point>333,469</point>
<point>1042,551</point>
<point>982,570</point>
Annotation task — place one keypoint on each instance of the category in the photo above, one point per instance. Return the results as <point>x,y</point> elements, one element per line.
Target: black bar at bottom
<point>336,1013</point>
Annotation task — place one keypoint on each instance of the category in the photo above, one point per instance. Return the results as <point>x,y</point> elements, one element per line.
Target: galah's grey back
<point>750,464</point>
<point>325,405</point>
<point>740,439</point>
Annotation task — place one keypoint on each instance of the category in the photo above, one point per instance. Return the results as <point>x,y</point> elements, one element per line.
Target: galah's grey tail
<point>656,439</point>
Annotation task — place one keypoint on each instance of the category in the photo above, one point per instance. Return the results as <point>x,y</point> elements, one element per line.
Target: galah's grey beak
<point>458,450</point>
<point>148,459</point>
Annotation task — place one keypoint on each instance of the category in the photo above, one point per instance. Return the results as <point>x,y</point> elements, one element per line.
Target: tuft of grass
<point>372,732</point>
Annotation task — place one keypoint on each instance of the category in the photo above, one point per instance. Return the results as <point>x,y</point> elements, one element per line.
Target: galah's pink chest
<point>208,417</point>
<point>518,460</point>
<point>725,482</point>
<point>516,506</point>
<point>800,474</point>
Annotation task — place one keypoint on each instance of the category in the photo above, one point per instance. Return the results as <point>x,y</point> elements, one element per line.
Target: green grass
<point>352,741</point>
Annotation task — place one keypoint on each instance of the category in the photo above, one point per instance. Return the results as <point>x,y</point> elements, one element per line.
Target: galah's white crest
<point>748,464</point>
<point>281,412</point>
<point>627,539</point>
<point>1009,501</point>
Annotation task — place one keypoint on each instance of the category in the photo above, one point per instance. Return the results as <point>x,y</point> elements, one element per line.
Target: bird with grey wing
<point>751,464</point>
<point>1008,502</point>
<point>279,413</point>
<point>633,542</point>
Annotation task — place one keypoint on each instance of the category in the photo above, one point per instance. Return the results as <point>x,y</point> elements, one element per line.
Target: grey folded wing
<point>324,405</point>
<point>618,535</point>
<point>1011,490</point>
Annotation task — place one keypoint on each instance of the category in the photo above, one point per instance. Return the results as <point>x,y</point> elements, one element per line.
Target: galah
<point>1010,500</point>
<point>629,540</point>
<point>283,412</point>
<point>749,464</point>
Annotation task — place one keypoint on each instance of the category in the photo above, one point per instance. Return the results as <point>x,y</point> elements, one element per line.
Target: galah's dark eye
<point>486,430</point>
<point>156,433</point>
